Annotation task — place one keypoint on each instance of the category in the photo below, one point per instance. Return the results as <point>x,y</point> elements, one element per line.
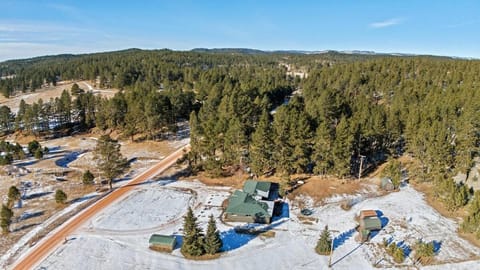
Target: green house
<point>243,207</point>
<point>160,242</point>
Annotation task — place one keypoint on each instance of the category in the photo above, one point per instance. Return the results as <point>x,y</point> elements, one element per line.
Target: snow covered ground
<point>118,237</point>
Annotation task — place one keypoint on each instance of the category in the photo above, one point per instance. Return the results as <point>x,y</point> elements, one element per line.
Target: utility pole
<point>331,249</point>
<point>361,166</point>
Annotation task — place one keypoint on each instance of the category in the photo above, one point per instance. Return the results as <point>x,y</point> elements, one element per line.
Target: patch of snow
<point>405,215</point>
<point>156,210</point>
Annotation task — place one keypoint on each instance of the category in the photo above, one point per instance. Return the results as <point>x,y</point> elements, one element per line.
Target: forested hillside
<point>246,112</point>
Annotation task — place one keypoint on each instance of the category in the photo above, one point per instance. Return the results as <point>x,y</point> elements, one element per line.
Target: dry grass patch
<point>470,237</point>
<point>308,220</point>
<point>320,188</point>
<point>432,200</point>
<point>235,181</point>
<point>204,257</point>
<point>268,234</point>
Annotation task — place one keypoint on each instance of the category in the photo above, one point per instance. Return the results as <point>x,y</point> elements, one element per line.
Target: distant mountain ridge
<point>234,51</point>
<point>257,51</point>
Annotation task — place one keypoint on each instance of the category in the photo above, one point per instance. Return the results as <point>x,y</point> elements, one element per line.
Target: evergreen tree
<point>213,243</point>
<point>393,170</point>
<point>13,195</point>
<point>324,244</point>
<point>76,90</point>
<point>60,196</point>
<point>322,156</point>
<point>88,178</point>
<point>110,161</point>
<point>6,215</point>
<point>33,146</point>
<point>262,146</point>
<point>38,153</point>
<point>342,149</point>
<point>283,154</point>
<point>471,224</point>
<point>193,239</point>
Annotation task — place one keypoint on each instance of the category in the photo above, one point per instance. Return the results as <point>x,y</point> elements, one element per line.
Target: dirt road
<point>42,249</point>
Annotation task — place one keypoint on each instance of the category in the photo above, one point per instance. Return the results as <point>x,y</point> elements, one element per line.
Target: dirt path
<point>48,244</point>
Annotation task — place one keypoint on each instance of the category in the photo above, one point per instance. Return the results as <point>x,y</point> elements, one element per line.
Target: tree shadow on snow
<point>27,215</point>
<point>63,162</point>
<point>84,198</point>
<point>178,241</point>
<point>232,239</point>
<point>341,238</point>
<point>36,195</point>
<point>436,246</point>
<point>26,163</point>
<point>25,227</point>
<point>406,248</point>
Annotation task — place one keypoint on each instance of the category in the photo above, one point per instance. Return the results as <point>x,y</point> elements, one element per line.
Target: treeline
<point>345,115</point>
<point>139,110</point>
<point>172,70</point>
<point>155,68</point>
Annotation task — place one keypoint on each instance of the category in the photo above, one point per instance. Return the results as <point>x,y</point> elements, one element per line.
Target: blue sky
<point>37,27</point>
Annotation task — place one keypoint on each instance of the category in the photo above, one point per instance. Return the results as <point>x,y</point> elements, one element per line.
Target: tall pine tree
<point>110,161</point>
<point>213,243</point>
<point>193,239</point>
<point>261,148</point>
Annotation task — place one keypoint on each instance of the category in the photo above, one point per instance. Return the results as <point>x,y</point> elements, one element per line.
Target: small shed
<point>160,242</point>
<point>371,223</point>
<point>387,184</point>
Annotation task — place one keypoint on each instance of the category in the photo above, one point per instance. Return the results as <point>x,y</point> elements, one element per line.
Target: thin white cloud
<point>386,23</point>
<point>34,27</point>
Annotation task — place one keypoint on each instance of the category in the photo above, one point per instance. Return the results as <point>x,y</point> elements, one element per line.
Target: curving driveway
<point>42,249</point>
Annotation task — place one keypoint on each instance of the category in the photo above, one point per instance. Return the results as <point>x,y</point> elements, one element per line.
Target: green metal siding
<point>371,223</point>
<point>162,240</point>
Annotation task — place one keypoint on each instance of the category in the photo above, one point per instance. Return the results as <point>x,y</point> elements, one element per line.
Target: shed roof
<point>251,186</point>
<point>368,213</point>
<point>159,239</point>
<point>242,203</point>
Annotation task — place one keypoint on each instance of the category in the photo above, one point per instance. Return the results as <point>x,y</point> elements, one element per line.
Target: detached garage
<point>165,243</point>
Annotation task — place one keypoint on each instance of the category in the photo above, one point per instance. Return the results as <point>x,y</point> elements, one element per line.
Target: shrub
<point>38,153</point>
<point>424,252</point>
<point>60,196</point>
<point>33,146</point>
<point>88,178</point>
<point>395,251</point>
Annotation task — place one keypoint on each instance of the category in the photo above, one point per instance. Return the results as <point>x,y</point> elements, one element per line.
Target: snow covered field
<point>118,237</point>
